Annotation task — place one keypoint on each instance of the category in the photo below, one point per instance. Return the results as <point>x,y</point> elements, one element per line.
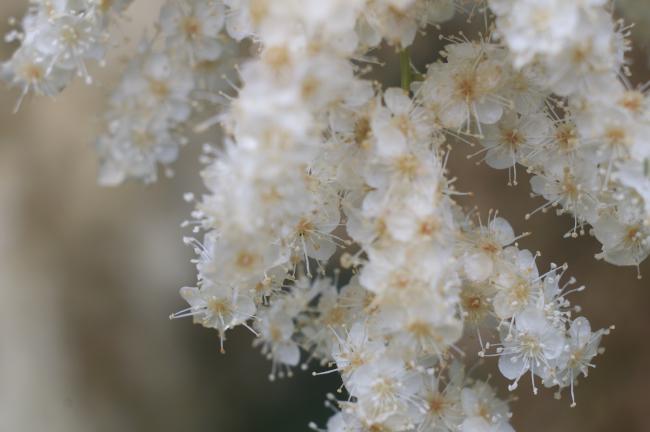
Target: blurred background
<point>89,275</point>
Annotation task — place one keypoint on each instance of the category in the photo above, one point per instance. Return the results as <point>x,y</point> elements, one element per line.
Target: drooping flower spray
<point>322,172</point>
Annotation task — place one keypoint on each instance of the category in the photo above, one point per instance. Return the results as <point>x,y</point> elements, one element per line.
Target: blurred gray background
<point>88,277</point>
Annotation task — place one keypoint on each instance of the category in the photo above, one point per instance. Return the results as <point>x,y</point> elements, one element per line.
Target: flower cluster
<point>585,134</point>
<point>330,227</point>
<point>58,38</point>
<point>311,148</point>
<point>160,89</point>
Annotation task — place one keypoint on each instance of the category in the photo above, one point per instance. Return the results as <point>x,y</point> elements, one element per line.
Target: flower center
<point>466,87</point>
<point>245,260</point>
<point>277,57</point>
<point>192,27</point>
<point>531,345</point>
<point>362,132</point>
<point>105,5</point>
<point>632,101</point>
<point>569,186</point>
<point>429,227</point>
<point>512,138</point>
<point>490,247</point>
<point>616,137</point>
<point>437,404</point>
<point>566,137</point>
<point>219,306</point>
<point>159,88</point>
<point>304,227</point>
<point>33,72</point>
<point>407,165</point>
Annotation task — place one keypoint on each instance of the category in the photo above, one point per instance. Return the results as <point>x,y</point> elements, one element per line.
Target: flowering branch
<point>318,170</point>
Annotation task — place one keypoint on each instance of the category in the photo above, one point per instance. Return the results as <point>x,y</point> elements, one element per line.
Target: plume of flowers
<point>330,226</point>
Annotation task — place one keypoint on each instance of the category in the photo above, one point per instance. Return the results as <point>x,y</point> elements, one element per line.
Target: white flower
<point>509,141</point>
<point>635,175</point>
<point>517,282</point>
<point>525,89</point>
<point>132,147</point>
<point>276,330</point>
<point>31,70</point>
<point>403,272</point>
<point>481,401</point>
<point>582,347</point>
<point>333,316</point>
<point>242,260</point>
<point>162,84</point>
<point>354,351</point>
<point>625,238</point>
<point>70,40</point>
<point>312,233</point>
<point>574,188</point>
<point>589,61</point>
<point>533,344</point>
<point>427,328</point>
<point>217,306</point>
<point>464,92</point>
<point>476,303</point>
<point>534,27</point>
<point>400,122</point>
<point>487,244</point>
<point>385,389</point>
<point>193,27</point>
<point>564,145</point>
<point>443,407</point>
<point>392,20</point>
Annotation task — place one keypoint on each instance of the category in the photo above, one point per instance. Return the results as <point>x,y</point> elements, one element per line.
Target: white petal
<point>287,353</point>
<point>512,367</point>
<point>532,320</point>
<point>475,424</point>
<point>319,248</point>
<point>478,267</point>
<point>580,330</point>
<point>500,157</point>
<point>397,101</point>
<point>489,112</point>
<point>502,231</point>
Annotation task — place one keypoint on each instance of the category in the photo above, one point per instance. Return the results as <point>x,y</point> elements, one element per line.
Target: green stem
<point>646,167</point>
<point>405,69</point>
